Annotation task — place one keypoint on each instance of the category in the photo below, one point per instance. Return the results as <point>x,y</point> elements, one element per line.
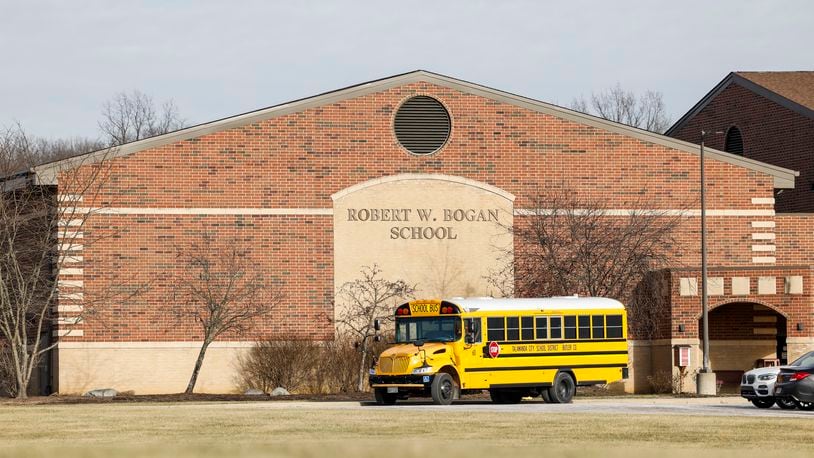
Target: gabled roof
<point>797,87</point>
<point>46,173</point>
<point>793,90</point>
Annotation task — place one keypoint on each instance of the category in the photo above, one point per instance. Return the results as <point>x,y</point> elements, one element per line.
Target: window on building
<point>734,141</point>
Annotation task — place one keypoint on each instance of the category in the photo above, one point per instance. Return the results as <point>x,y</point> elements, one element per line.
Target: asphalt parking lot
<point>633,405</point>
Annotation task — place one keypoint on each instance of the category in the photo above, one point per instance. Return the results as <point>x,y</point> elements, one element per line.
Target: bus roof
<point>486,304</point>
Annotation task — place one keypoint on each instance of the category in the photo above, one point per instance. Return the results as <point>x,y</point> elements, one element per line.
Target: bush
<point>304,366</point>
<point>273,363</point>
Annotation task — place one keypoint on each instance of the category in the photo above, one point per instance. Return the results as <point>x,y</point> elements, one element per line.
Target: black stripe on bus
<point>539,368</point>
<point>563,353</point>
<point>520,385</point>
<point>540,342</point>
<point>592,382</point>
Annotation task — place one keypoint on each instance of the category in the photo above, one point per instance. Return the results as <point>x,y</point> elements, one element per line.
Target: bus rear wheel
<point>383,398</point>
<point>442,389</point>
<point>563,389</point>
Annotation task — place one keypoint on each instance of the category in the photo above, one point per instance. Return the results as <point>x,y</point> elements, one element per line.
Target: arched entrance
<point>744,335</point>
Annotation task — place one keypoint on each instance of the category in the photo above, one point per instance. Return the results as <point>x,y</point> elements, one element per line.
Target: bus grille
<point>394,364</point>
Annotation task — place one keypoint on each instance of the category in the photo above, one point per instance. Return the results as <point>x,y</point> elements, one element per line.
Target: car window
<point>805,360</point>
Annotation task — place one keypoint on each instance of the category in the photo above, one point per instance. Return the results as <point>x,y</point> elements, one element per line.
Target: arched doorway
<point>744,335</point>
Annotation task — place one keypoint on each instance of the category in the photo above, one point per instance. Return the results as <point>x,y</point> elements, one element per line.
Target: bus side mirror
<point>377,325</point>
<point>470,327</point>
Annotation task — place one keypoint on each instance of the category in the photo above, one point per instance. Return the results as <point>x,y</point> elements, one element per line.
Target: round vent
<point>422,125</point>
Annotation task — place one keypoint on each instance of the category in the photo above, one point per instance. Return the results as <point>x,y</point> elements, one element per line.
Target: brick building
<point>418,172</point>
<point>766,116</point>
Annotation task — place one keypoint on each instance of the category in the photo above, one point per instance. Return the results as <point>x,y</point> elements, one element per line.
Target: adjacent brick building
<point>300,184</point>
<point>766,116</point>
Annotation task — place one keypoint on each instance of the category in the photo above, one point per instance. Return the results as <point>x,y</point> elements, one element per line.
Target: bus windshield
<point>429,329</point>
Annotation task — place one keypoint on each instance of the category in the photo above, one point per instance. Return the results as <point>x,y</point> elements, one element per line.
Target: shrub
<point>273,363</point>
<point>305,366</point>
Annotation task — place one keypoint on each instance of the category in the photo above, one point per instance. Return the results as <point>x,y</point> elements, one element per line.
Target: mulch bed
<point>122,398</point>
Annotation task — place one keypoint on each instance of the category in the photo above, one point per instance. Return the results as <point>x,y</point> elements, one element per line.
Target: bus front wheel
<point>442,389</point>
<point>563,389</point>
<point>383,398</point>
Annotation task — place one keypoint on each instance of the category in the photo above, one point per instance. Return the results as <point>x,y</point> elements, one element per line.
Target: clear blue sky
<point>62,60</point>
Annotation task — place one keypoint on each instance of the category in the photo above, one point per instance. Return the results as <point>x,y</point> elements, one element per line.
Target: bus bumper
<point>401,381</point>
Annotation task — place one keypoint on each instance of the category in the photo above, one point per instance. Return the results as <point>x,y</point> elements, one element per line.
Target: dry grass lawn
<point>182,430</point>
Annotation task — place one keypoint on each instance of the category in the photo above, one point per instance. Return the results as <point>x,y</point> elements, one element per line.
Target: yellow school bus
<point>512,347</point>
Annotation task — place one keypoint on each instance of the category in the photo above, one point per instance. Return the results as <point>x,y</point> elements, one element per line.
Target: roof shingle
<point>795,86</point>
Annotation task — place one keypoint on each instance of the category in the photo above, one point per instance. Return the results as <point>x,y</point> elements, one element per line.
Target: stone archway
<point>742,335</point>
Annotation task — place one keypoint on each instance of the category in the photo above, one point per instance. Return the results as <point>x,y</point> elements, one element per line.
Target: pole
<point>704,308</point>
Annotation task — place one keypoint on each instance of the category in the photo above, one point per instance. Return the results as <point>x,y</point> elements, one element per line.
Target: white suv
<point>757,386</point>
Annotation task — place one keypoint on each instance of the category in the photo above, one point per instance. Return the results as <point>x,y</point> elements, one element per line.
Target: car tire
<point>443,389</point>
<point>802,405</point>
<point>563,389</point>
<point>383,398</point>
<point>763,403</point>
<point>786,403</point>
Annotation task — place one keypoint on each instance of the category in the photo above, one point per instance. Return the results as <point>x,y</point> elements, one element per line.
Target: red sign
<point>494,349</point>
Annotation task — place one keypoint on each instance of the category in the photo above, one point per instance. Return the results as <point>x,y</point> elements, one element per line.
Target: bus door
<point>473,354</point>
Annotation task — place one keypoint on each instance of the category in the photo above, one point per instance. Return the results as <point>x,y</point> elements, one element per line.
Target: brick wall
<point>771,133</point>
<point>297,161</point>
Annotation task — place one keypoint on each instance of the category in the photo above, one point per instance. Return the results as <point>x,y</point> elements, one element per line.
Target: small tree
<point>219,287</point>
<point>616,104</point>
<point>134,116</point>
<point>40,226</point>
<point>365,300</point>
<point>572,245</point>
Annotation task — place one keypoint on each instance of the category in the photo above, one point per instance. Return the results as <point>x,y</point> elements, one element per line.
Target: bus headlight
<point>423,370</point>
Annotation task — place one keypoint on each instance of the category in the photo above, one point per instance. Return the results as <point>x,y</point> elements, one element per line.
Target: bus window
<point>614,324</point>
<point>526,328</point>
<point>512,328</point>
<point>495,328</point>
<point>556,327</point>
<point>584,327</point>
<point>476,336</point>
<point>571,327</point>
<point>598,326</point>
<point>541,324</point>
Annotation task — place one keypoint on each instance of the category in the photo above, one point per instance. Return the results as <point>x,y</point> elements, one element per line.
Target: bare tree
<point>365,300</point>
<point>572,245</point>
<point>646,111</point>
<point>134,116</point>
<point>219,287</point>
<point>40,228</point>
